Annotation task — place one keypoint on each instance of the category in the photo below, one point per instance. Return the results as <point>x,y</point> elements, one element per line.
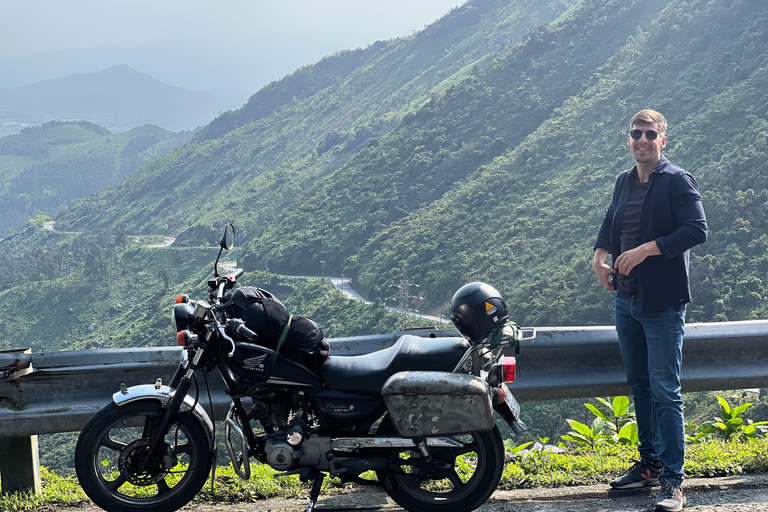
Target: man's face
<point>646,151</point>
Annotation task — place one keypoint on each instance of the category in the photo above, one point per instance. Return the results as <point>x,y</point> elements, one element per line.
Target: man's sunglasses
<point>650,134</point>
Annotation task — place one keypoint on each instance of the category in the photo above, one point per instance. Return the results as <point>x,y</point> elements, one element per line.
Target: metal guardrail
<point>585,362</point>
<point>58,392</point>
<point>46,393</point>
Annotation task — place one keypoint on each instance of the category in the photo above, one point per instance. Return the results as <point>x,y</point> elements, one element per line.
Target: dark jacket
<point>672,215</point>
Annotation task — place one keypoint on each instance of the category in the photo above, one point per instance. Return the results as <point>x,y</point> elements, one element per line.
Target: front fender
<point>164,395</point>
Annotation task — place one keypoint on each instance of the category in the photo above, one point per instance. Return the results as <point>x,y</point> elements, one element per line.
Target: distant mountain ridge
<point>118,98</point>
<point>45,167</point>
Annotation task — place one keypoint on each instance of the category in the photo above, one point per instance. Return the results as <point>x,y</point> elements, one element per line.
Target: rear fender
<point>164,395</point>
<point>509,409</point>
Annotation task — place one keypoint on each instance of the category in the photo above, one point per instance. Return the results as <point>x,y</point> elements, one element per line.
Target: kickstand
<point>317,483</point>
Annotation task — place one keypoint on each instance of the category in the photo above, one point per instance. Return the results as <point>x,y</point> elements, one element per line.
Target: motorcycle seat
<point>365,374</point>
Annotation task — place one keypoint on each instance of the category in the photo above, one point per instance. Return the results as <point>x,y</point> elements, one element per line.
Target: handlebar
<point>219,283</point>
<point>238,327</point>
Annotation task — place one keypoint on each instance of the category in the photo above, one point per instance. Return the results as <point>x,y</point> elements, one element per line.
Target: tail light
<point>509,366</point>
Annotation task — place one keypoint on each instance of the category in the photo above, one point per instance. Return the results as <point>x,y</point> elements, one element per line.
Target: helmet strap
<point>495,337</point>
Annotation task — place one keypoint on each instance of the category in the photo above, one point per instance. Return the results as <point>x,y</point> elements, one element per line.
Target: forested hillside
<point>482,148</point>
<point>45,167</point>
<point>67,291</point>
<point>249,165</point>
<point>505,177</point>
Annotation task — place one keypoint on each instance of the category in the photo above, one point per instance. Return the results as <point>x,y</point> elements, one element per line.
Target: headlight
<point>183,317</point>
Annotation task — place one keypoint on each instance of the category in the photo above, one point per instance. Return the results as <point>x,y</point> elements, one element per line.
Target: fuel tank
<point>252,364</point>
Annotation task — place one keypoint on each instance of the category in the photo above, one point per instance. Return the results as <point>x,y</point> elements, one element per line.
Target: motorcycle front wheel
<point>116,471</point>
<point>456,478</point>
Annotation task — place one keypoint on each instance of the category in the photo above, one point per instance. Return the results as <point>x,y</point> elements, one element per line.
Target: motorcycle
<point>420,414</point>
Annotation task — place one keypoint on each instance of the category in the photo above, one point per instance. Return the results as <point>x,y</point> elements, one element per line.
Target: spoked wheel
<point>118,473</point>
<point>456,479</point>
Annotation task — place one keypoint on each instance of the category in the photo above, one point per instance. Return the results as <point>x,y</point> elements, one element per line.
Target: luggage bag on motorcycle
<point>264,314</point>
<point>438,403</point>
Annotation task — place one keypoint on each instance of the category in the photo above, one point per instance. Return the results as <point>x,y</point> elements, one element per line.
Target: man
<point>654,218</point>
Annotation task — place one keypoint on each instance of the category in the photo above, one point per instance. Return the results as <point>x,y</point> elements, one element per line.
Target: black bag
<point>264,314</point>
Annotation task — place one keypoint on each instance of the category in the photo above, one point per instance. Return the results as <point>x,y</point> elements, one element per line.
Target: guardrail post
<point>19,464</point>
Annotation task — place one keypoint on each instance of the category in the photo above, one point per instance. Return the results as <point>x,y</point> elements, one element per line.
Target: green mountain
<point>45,167</point>
<point>482,148</point>
<point>251,164</point>
<point>505,177</point>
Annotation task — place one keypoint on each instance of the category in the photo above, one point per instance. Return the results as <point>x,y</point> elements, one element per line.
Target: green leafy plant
<point>511,449</point>
<point>614,423</point>
<point>619,414</point>
<point>731,426</point>
<point>587,436</point>
<point>628,435</point>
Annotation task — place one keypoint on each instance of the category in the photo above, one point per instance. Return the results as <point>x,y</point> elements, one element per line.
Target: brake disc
<point>135,470</point>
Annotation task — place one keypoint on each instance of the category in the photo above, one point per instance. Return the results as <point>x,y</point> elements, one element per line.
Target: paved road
<point>343,284</point>
<point>747,493</point>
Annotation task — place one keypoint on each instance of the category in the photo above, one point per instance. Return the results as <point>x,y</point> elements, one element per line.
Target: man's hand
<point>632,258</point>
<point>603,271</point>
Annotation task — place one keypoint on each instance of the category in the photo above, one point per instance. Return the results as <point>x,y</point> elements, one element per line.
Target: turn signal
<point>182,298</point>
<point>499,395</point>
<point>186,338</point>
<point>509,366</point>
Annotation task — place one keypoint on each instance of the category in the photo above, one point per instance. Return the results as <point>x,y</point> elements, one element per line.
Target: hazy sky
<point>193,43</point>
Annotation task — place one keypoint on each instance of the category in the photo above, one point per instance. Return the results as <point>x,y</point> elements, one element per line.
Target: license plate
<point>511,402</point>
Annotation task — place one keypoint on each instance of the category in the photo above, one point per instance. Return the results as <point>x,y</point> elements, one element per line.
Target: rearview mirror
<point>228,240</point>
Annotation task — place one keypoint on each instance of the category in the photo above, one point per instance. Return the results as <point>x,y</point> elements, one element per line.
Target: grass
<point>710,458</point>
<point>56,489</point>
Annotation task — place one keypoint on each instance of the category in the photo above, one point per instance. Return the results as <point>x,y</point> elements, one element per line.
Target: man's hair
<point>649,116</point>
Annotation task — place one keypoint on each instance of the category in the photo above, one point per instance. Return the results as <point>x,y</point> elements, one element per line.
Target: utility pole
<point>404,294</point>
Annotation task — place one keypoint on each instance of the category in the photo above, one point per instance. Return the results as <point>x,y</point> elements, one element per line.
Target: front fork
<point>180,383</point>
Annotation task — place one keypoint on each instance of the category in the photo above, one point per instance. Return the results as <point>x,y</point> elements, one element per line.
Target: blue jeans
<point>651,349</point>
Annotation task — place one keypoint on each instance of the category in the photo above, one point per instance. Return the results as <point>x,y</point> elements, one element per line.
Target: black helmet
<point>476,309</point>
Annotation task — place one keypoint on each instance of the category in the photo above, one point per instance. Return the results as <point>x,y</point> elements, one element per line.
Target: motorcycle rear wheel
<point>113,470</point>
<point>460,484</point>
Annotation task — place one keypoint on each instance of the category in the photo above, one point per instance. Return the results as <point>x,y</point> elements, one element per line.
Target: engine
<point>272,410</point>
<point>288,443</point>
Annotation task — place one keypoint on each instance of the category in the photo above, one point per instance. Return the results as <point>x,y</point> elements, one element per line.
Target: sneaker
<point>641,474</point>
<point>670,498</point>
